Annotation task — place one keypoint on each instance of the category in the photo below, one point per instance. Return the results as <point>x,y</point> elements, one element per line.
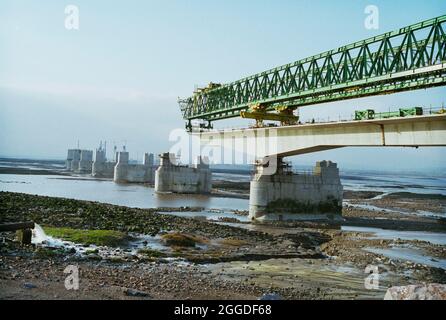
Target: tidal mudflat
<point>130,243</point>
<point>179,253</point>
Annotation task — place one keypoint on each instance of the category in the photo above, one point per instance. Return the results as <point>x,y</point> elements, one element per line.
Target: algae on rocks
<point>292,206</point>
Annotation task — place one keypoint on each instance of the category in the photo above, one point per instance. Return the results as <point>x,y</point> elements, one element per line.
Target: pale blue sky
<point>118,77</point>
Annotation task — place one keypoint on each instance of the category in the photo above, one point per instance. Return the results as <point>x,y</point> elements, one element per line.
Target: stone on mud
<point>271,296</point>
<point>24,236</point>
<point>431,291</point>
<point>134,293</point>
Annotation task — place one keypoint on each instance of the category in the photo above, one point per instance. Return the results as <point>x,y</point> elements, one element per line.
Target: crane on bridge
<point>410,58</point>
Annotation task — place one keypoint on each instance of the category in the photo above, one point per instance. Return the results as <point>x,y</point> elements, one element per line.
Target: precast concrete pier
<point>85,162</point>
<point>172,177</point>
<point>73,155</point>
<point>124,172</point>
<point>79,161</point>
<point>101,167</point>
<point>285,195</point>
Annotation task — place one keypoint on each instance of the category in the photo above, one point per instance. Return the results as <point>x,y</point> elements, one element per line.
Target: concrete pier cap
<point>100,156</point>
<point>72,155</point>
<point>149,159</point>
<point>167,159</point>
<point>86,161</point>
<point>101,167</point>
<point>86,155</point>
<point>125,172</point>
<point>79,161</point>
<point>175,178</point>
<point>123,157</point>
<point>278,193</point>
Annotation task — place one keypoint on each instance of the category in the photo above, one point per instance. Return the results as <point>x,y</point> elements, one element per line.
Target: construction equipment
<point>283,114</point>
<point>365,114</point>
<point>409,58</point>
<point>370,114</point>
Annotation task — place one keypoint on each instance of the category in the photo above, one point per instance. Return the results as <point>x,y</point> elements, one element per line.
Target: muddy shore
<point>295,260</point>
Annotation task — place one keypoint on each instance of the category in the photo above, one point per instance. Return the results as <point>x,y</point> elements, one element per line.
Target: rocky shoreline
<point>301,260</point>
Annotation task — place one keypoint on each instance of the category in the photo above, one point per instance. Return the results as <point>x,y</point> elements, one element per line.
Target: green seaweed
<point>292,206</point>
<point>87,237</point>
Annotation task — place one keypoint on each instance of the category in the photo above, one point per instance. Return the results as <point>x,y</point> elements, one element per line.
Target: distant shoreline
<point>27,171</point>
<point>246,169</point>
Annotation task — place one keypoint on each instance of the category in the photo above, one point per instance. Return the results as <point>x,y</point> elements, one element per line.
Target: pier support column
<point>120,173</point>
<point>86,161</point>
<point>164,175</point>
<point>284,195</point>
<point>73,159</point>
<point>101,167</point>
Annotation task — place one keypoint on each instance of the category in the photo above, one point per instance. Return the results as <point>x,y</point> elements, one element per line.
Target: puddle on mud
<point>405,252</point>
<point>409,254</point>
<point>210,214</point>
<point>370,207</point>
<point>432,237</point>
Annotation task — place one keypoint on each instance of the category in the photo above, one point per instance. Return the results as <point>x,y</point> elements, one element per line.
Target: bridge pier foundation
<point>102,168</point>
<point>172,177</point>
<point>285,195</point>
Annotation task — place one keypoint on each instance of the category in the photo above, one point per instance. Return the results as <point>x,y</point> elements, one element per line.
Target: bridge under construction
<point>412,57</point>
<point>409,58</point>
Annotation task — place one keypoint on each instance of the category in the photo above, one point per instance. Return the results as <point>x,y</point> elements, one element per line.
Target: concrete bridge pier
<point>73,154</point>
<point>120,173</point>
<point>85,162</point>
<point>73,158</point>
<point>277,193</point>
<point>126,172</point>
<point>101,167</point>
<point>172,177</point>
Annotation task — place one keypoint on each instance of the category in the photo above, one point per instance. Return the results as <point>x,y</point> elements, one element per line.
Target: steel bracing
<point>409,58</point>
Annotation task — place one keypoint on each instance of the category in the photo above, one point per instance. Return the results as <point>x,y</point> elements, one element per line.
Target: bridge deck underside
<point>417,131</point>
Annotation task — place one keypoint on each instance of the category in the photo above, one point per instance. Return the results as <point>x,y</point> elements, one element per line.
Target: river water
<point>106,191</point>
<point>141,196</point>
<point>386,182</point>
<point>86,188</point>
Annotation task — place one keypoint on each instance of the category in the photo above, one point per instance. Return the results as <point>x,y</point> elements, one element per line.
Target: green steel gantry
<point>406,59</point>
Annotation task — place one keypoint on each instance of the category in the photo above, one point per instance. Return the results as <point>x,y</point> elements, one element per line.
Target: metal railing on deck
<point>319,120</point>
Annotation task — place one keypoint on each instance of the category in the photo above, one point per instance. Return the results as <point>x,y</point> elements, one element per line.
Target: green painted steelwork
<point>406,59</point>
<point>370,114</point>
<point>364,114</point>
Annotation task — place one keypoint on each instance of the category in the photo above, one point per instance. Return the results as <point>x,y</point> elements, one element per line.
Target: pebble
<point>271,296</point>
<point>29,285</point>
<point>134,293</point>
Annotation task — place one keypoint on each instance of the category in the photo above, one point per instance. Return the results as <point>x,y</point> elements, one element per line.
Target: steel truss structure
<point>406,59</point>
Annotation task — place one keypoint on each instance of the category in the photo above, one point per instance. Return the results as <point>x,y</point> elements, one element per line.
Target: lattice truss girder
<point>409,58</point>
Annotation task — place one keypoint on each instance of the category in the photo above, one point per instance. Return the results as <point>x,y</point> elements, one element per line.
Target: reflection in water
<point>209,215</point>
